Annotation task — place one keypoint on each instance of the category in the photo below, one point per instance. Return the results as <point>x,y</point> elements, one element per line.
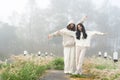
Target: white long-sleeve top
<point>68,40</point>
<point>84,42</point>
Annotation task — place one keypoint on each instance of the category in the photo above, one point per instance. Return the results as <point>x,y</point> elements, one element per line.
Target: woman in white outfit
<point>83,39</point>
<point>82,42</point>
<point>69,47</point>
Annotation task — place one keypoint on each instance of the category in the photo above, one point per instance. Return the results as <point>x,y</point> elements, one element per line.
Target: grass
<point>82,77</point>
<point>56,64</point>
<point>99,68</point>
<point>29,67</point>
<point>28,71</point>
<point>79,76</point>
<point>25,68</point>
<point>102,69</point>
<point>33,67</point>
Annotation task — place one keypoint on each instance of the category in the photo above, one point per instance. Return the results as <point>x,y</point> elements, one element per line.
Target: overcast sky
<point>7,7</point>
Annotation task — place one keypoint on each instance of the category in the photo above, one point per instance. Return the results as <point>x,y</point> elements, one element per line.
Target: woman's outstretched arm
<point>61,33</point>
<point>54,34</point>
<point>98,33</point>
<point>83,19</point>
<point>69,33</point>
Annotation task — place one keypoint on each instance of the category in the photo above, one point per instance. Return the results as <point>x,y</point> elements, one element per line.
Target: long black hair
<point>78,32</point>
<point>69,28</point>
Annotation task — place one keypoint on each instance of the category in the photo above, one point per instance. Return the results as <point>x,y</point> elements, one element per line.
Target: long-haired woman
<point>83,40</point>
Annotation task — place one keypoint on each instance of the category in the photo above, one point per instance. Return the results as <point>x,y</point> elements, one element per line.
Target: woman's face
<point>71,25</point>
<point>80,27</point>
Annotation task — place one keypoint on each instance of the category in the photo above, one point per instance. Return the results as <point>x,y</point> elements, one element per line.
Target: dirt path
<point>55,75</point>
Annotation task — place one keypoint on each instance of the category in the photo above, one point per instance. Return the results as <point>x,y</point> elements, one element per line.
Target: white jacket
<point>68,40</point>
<point>84,42</point>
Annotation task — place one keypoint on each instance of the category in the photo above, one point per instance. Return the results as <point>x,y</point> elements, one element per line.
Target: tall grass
<point>98,68</point>
<point>25,68</point>
<point>28,71</point>
<point>102,69</point>
<point>56,64</point>
<point>29,67</point>
<point>32,67</point>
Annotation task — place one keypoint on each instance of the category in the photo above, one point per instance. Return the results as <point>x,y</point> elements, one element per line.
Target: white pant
<point>69,59</point>
<point>80,53</point>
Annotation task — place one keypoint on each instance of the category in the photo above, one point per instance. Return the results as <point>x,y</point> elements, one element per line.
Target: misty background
<point>25,24</point>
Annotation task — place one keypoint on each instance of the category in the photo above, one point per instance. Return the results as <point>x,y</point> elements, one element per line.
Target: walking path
<point>55,75</point>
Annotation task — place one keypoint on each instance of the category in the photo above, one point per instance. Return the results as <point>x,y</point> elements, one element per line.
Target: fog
<point>28,29</point>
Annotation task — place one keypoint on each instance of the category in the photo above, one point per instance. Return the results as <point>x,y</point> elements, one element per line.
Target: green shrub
<point>58,64</point>
<point>9,76</point>
<point>28,71</point>
<point>49,66</point>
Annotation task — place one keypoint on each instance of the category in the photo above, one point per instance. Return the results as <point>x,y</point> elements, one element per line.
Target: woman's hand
<point>104,34</point>
<point>85,17</point>
<point>49,36</point>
